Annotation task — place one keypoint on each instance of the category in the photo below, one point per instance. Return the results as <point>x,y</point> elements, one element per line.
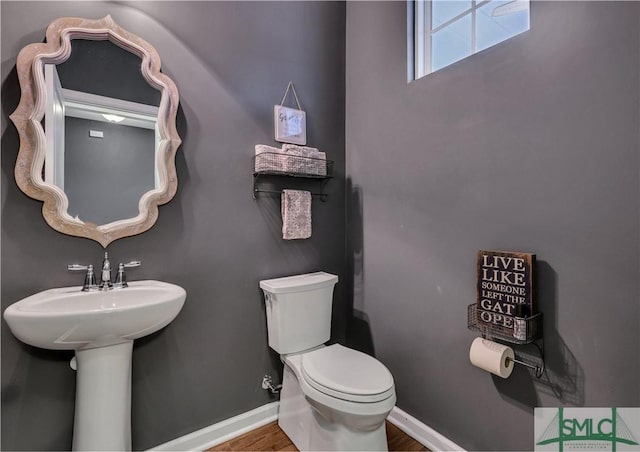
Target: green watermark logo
<point>587,429</point>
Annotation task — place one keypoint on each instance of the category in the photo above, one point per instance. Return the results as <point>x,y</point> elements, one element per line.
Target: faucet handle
<point>121,279</point>
<point>89,279</point>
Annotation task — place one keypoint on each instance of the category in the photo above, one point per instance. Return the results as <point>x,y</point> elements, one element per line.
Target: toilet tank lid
<point>297,283</point>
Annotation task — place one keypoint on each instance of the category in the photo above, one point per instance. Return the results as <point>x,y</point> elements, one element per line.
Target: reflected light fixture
<point>113,118</point>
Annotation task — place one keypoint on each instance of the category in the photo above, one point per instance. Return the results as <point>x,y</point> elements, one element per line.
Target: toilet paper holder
<point>538,369</point>
<point>506,362</point>
<point>534,336</point>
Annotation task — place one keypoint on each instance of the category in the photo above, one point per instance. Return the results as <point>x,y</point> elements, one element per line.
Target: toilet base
<point>312,426</point>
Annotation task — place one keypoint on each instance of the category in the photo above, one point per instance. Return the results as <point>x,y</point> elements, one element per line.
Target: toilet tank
<point>299,311</point>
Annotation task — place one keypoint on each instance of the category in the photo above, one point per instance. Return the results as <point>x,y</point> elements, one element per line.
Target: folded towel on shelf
<point>305,160</point>
<point>269,158</point>
<point>294,159</point>
<point>304,151</point>
<point>296,214</point>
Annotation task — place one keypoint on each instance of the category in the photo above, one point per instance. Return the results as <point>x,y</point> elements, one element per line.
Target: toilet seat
<point>347,374</point>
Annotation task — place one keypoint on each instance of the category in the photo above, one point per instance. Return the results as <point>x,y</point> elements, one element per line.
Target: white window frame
<point>419,13</point>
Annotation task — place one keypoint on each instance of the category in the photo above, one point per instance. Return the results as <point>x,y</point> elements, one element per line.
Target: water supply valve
<point>267,383</point>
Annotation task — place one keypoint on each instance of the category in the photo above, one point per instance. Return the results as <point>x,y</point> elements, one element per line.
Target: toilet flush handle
<point>268,300</point>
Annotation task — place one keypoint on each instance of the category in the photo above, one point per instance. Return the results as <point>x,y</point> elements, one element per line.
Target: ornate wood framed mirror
<point>97,126</point>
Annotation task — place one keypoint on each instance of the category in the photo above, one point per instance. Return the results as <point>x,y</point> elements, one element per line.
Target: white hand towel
<point>296,214</point>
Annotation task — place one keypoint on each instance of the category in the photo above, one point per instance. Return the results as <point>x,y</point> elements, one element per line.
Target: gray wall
<point>532,146</point>
<point>231,63</point>
<point>104,178</point>
<point>90,69</point>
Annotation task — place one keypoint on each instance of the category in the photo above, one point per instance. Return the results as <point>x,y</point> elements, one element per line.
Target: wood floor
<point>272,438</point>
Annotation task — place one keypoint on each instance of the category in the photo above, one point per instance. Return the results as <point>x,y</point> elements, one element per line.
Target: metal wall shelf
<point>274,166</point>
<point>491,331</point>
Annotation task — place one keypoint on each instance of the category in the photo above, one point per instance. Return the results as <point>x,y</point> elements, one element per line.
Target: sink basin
<point>68,319</point>
<point>101,328</point>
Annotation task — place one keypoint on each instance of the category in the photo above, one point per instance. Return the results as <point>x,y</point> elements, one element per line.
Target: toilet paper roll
<point>492,357</point>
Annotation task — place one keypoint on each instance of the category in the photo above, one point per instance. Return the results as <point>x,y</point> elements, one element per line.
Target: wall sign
<point>505,287</point>
<point>290,124</point>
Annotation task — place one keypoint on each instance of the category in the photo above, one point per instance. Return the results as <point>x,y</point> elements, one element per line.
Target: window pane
<point>451,44</point>
<point>444,10</point>
<point>500,20</point>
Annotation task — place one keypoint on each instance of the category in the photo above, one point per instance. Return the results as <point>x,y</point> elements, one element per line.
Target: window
<point>446,31</point>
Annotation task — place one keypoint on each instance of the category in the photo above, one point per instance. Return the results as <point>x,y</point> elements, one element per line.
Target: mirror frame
<point>30,111</point>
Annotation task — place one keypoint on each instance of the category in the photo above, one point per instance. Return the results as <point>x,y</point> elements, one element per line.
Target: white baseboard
<point>230,428</point>
<point>223,431</point>
<point>422,433</point>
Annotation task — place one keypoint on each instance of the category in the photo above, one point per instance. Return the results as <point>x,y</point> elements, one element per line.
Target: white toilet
<point>333,398</point>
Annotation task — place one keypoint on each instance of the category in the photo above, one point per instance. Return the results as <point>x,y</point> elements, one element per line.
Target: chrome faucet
<point>106,283</point>
<point>90,283</point>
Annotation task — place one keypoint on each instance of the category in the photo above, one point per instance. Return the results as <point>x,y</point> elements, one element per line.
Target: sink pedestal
<point>101,327</point>
<point>103,398</point>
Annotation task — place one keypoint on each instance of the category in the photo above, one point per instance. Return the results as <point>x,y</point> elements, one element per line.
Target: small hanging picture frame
<point>290,124</point>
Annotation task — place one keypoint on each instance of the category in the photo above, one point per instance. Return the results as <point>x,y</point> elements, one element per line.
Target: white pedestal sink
<point>101,328</point>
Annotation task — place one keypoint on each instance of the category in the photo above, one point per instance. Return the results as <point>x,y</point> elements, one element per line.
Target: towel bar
<point>323,196</point>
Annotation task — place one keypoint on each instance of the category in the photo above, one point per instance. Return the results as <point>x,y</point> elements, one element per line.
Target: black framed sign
<point>505,287</point>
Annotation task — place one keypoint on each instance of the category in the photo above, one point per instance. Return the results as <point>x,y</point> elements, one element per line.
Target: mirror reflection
<point>101,127</point>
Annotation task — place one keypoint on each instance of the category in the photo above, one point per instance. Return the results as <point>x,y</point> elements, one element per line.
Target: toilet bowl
<point>333,397</point>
